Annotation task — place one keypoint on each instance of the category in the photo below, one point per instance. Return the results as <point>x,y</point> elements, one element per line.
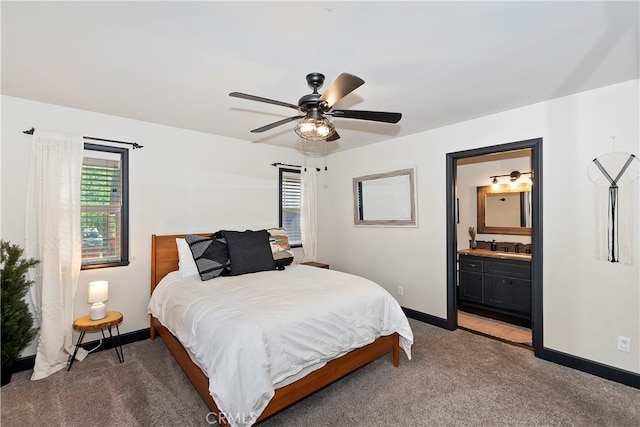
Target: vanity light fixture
<point>513,177</point>
<point>494,183</point>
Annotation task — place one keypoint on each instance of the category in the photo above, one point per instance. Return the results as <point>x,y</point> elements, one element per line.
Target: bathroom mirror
<point>504,210</point>
<point>385,199</point>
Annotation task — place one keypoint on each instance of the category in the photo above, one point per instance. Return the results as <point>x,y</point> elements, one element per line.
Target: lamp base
<point>98,311</point>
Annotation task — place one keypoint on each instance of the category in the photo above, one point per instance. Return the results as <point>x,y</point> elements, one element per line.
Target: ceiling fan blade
<point>333,137</point>
<point>375,116</point>
<point>343,85</point>
<point>276,124</point>
<point>267,100</point>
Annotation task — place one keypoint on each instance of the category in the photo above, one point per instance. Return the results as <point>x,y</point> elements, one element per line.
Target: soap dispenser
<point>494,246</point>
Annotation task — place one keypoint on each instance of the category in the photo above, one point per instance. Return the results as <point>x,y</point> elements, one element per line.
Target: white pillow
<point>186,263</point>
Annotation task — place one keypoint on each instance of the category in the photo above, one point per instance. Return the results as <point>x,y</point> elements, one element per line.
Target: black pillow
<point>210,254</point>
<point>249,251</point>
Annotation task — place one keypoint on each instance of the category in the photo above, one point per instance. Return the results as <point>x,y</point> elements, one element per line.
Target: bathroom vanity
<point>495,281</point>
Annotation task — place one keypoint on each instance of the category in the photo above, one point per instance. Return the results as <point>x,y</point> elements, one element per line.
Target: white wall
<point>180,182</point>
<point>587,303</point>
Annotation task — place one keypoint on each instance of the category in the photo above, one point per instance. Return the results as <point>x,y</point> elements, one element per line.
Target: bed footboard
<point>295,391</point>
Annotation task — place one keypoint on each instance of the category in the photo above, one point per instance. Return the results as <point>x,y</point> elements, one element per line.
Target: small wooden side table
<point>316,264</point>
<point>84,324</point>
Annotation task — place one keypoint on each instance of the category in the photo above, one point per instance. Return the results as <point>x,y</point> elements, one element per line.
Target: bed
<point>288,388</point>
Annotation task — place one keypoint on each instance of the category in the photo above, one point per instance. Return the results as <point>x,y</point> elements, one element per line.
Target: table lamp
<point>98,293</point>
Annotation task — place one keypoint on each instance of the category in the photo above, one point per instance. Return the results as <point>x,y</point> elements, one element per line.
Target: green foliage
<point>17,321</point>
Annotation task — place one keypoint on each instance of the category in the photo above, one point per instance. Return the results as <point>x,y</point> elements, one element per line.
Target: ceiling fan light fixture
<point>315,129</point>
<point>313,126</point>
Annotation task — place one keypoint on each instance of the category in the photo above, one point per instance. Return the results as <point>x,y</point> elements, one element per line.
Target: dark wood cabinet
<point>501,285</point>
<point>471,287</point>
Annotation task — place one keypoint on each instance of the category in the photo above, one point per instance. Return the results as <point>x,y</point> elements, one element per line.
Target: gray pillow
<point>249,251</point>
<point>210,254</point>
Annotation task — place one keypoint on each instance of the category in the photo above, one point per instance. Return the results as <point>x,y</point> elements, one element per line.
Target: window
<point>290,203</point>
<point>104,199</point>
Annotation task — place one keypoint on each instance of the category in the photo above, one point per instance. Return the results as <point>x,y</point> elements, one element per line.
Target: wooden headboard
<point>164,255</point>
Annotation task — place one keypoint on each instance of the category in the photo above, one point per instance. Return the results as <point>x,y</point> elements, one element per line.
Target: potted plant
<point>16,319</point>
<point>472,234</point>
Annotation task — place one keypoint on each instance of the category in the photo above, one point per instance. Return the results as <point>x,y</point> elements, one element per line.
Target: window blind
<point>101,211</point>
<point>290,204</point>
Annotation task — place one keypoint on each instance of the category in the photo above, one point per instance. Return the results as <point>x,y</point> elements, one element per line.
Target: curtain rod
<point>292,166</point>
<point>134,144</point>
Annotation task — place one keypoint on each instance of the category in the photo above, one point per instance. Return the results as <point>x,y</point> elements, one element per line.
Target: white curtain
<point>53,236</point>
<point>308,220</point>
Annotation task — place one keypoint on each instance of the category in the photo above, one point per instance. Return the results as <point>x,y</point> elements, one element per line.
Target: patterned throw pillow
<point>280,248</point>
<point>210,254</point>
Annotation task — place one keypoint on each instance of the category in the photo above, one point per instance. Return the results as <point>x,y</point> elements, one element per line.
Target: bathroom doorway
<point>466,171</point>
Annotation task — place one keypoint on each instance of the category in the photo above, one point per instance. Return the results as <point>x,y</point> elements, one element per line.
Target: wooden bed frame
<point>164,259</point>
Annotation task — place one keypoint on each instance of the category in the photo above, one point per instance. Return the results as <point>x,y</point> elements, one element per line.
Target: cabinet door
<point>497,291</point>
<point>521,295</point>
<point>471,287</point>
<point>508,293</point>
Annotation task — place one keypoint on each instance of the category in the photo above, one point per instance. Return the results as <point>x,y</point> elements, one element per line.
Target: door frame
<point>536,232</point>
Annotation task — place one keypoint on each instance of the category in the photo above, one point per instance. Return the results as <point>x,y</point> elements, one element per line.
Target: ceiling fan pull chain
<point>305,155</point>
<point>325,155</point>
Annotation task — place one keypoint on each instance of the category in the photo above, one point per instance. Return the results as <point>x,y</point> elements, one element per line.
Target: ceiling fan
<point>313,108</point>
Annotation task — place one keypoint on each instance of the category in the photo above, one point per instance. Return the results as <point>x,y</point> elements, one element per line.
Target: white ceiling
<point>438,63</point>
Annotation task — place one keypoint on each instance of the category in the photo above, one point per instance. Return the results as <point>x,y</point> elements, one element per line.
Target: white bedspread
<point>252,331</point>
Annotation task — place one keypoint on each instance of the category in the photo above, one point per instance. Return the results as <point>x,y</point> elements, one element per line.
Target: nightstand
<point>84,324</point>
<point>316,264</point>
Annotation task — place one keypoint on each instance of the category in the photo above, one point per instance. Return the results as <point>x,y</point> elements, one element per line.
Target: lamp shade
<point>98,291</point>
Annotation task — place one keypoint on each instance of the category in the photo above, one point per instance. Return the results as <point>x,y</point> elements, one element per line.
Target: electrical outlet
<point>624,344</point>
<point>400,290</point>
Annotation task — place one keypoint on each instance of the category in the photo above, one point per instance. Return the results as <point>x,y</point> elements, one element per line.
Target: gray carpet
<point>455,379</point>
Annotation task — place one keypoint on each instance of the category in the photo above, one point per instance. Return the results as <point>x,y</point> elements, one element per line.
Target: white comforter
<point>250,332</point>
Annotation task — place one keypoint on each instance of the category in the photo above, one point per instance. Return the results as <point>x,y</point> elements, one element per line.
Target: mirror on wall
<point>504,210</point>
<point>385,199</point>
